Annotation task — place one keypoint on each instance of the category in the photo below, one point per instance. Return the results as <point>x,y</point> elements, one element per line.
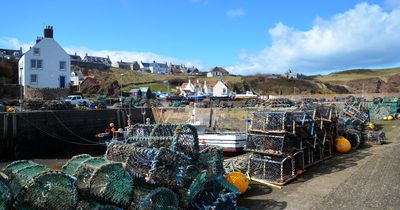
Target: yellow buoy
<point>342,144</point>
<point>239,180</point>
<point>390,117</point>
<point>371,126</point>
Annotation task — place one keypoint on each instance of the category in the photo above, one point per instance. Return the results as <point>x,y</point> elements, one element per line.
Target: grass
<point>358,74</point>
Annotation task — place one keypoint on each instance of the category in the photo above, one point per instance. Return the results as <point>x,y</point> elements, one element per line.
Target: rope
<point>55,136</point>
<point>73,133</point>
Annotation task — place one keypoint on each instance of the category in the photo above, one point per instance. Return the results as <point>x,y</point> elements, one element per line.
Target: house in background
<point>13,55</point>
<point>289,74</point>
<point>45,65</point>
<point>99,62</point>
<point>76,78</point>
<point>217,71</point>
<point>220,89</point>
<point>208,88</point>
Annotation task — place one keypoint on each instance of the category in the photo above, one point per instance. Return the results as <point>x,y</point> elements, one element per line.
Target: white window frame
<point>38,51</point>
<point>36,64</point>
<point>37,79</point>
<point>65,65</point>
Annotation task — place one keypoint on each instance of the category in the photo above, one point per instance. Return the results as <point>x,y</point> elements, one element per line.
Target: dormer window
<point>36,51</point>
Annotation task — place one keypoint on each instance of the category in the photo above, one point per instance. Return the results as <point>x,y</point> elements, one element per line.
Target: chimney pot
<point>48,32</point>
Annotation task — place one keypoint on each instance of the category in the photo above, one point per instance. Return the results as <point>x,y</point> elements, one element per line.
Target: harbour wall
<point>59,134</point>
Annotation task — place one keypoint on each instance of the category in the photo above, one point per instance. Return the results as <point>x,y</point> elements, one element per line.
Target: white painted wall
<point>218,89</point>
<point>51,53</point>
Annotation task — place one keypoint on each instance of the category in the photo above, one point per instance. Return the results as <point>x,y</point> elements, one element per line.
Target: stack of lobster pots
<point>284,143</point>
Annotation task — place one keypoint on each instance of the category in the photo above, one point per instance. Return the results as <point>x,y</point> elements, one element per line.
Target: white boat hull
<point>231,142</point>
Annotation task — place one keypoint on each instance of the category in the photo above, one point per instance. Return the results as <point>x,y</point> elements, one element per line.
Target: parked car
<point>77,99</point>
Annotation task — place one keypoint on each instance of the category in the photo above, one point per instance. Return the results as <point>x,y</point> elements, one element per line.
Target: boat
<point>232,142</point>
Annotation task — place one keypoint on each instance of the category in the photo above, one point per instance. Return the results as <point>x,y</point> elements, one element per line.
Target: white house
<point>76,78</point>
<point>217,71</point>
<point>220,89</point>
<point>45,65</point>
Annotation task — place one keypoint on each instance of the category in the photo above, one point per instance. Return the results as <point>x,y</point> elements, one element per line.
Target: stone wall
<point>46,93</point>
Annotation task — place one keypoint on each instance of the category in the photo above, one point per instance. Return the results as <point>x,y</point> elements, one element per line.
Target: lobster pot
<point>164,130</point>
<point>210,192</point>
<point>326,113</point>
<point>272,121</point>
<point>317,153</point>
<point>298,158</point>
<point>140,130</point>
<point>308,156</point>
<point>149,142</point>
<point>102,180</point>
<point>152,197</point>
<point>211,159</point>
<point>33,186</point>
<point>186,141</point>
<point>374,137</point>
<point>94,205</point>
<point>274,169</point>
<point>274,144</point>
<point>354,137</point>
<point>355,113</point>
<point>162,166</point>
<point>5,197</point>
<point>327,149</point>
<point>73,164</point>
<point>238,163</point>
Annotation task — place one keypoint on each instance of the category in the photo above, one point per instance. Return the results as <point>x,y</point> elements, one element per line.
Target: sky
<point>244,36</point>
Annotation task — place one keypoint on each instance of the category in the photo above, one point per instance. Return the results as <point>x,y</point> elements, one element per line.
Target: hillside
<point>358,80</point>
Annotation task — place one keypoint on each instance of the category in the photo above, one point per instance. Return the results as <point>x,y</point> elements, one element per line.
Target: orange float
<point>239,180</point>
<point>342,145</point>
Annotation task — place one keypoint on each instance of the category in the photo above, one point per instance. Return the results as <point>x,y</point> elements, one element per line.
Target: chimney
<point>38,39</point>
<point>48,32</point>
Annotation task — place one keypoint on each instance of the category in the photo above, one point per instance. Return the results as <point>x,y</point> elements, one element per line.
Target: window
<point>36,51</point>
<point>223,90</point>
<point>36,64</point>
<point>63,65</point>
<point>34,79</point>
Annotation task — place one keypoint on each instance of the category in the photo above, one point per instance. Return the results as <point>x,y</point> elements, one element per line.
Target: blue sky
<point>247,37</point>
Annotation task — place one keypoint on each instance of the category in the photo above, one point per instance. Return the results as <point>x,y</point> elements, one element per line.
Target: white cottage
<point>45,65</point>
<point>220,90</point>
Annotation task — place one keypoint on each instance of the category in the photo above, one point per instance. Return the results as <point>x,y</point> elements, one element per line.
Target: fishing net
<point>211,159</point>
<point>212,192</point>
<point>272,121</point>
<point>374,137</point>
<point>356,114</point>
<point>5,197</point>
<point>238,163</point>
<point>102,180</point>
<point>162,165</point>
<point>179,138</point>
<point>275,144</point>
<point>153,197</point>
<point>93,205</point>
<point>274,169</point>
<point>33,186</point>
<point>354,136</point>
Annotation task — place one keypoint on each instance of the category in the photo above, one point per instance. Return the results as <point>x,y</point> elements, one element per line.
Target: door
<point>62,81</point>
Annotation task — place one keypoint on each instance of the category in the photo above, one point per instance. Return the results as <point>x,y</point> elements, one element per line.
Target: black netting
<point>275,144</point>
<point>272,121</point>
<point>375,137</point>
<point>5,197</point>
<point>274,169</point>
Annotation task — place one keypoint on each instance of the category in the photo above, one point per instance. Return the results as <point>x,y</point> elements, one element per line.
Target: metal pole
<point>120,99</point>
<point>21,97</point>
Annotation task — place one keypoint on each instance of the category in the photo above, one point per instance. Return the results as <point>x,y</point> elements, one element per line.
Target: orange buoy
<point>342,144</point>
<point>239,180</point>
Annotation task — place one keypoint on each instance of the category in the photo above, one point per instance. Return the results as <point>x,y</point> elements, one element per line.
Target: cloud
<point>115,56</point>
<point>364,36</point>
<point>14,43</point>
<point>235,12</point>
